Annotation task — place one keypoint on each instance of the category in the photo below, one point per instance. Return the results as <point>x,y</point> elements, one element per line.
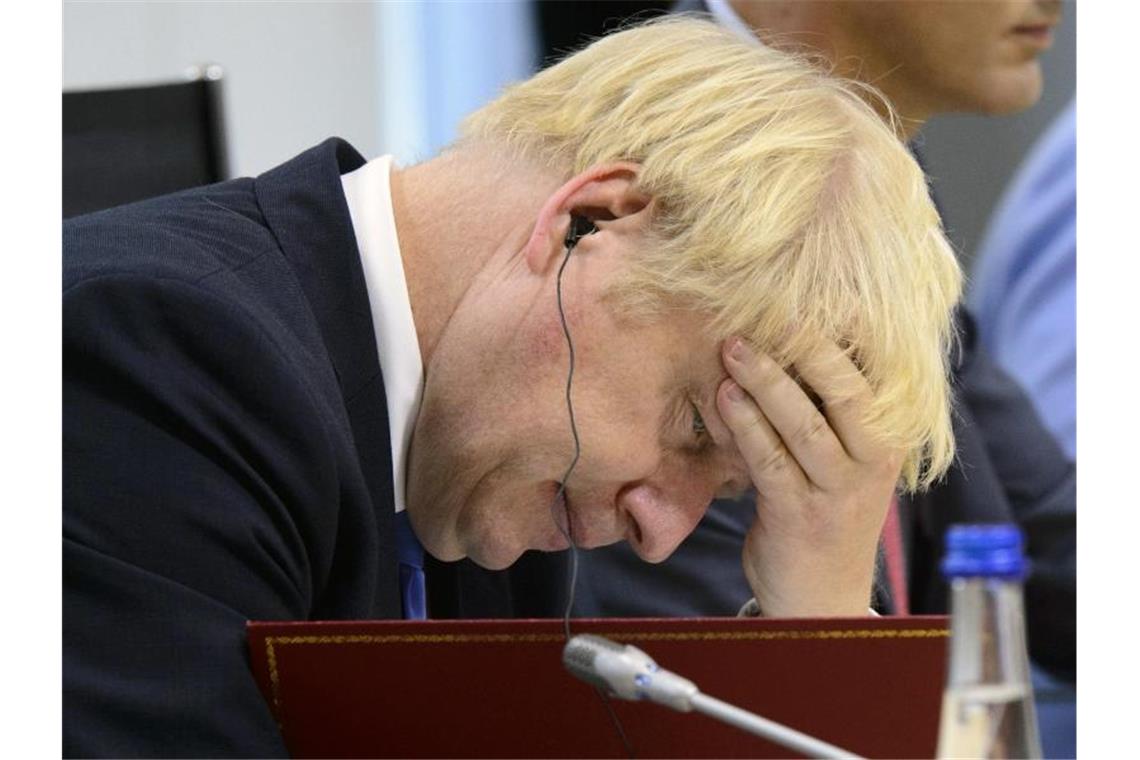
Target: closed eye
<point>702,441</point>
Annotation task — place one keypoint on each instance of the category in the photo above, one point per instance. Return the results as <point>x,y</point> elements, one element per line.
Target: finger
<point>771,465</point>
<point>802,427</point>
<point>846,397</point>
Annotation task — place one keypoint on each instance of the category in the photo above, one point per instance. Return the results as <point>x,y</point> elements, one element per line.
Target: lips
<point>1038,34</point>
<point>559,512</point>
<point>586,534</point>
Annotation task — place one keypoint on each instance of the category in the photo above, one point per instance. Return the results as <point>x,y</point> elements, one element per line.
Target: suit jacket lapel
<point>304,205</point>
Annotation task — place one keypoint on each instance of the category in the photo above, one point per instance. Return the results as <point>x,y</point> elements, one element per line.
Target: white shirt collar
<point>369,195</point>
<point>725,16</point>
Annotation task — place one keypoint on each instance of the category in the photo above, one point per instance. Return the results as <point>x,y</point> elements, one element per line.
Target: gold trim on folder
<point>272,642</point>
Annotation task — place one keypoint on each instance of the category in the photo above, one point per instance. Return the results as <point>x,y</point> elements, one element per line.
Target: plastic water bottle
<point>987,708</point>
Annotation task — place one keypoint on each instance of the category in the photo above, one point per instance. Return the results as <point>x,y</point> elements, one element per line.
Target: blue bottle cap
<point>988,551</point>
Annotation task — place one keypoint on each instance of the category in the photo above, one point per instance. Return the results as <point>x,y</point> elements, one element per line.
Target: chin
<point>495,559</point>
<point>1010,92</point>
<point>493,547</point>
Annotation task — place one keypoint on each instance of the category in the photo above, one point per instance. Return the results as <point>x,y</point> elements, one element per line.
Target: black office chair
<point>124,145</point>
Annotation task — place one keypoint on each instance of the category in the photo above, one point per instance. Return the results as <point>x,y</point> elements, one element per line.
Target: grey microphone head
<point>580,657</point>
<point>626,672</point>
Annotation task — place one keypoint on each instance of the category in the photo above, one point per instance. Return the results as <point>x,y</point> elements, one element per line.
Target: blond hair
<point>784,206</point>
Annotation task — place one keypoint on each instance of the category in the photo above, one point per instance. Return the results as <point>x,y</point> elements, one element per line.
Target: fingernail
<point>739,350</point>
<point>735,392</point>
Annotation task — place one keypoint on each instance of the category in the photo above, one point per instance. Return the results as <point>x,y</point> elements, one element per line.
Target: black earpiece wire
<point>579,226</point>
<point>568,530</point>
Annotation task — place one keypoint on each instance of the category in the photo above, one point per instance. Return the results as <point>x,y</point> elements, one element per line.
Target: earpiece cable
<point>568,530</point>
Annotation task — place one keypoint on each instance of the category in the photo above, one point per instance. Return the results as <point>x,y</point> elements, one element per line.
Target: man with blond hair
<point>927,58</point>
<point>275,389</point>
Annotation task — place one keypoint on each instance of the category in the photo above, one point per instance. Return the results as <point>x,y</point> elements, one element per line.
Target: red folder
<point>498,688</point>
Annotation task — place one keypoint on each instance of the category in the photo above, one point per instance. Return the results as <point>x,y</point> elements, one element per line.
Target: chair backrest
<point>124,145</point>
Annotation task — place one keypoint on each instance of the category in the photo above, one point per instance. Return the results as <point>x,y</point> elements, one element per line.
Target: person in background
<point>279,392</point>
<point>1024,284</point>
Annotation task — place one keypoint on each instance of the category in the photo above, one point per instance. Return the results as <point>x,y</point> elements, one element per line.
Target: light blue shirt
<point>1024,290</point>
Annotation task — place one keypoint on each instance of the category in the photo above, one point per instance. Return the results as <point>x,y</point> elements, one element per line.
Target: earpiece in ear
<point>580,226</point>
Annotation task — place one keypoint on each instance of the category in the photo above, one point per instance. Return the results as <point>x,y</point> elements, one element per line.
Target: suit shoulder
<point>188,235</point>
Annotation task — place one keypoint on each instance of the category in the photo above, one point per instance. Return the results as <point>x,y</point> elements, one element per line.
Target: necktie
<point>410,554</point>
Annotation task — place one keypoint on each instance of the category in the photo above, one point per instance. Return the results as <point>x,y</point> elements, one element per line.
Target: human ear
<point>604,193</point>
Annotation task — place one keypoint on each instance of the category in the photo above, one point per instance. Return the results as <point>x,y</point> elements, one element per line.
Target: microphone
<point>626,672</point>
<point>629,673</point>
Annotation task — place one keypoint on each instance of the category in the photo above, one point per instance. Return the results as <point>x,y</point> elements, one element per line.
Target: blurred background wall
<point>395,77</point>
<point>295,73</point>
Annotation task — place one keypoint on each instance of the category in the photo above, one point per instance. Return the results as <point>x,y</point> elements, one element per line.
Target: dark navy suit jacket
<point>226,453</point>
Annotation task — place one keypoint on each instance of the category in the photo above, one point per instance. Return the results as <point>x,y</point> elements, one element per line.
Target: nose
<point>663,511</point>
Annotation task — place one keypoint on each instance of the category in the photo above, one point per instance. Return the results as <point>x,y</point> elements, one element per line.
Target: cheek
<point>618,431</point>
<point>544,342</point>
<point>545,346</point>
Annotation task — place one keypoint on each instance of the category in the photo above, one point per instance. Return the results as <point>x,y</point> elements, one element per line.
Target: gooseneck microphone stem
<point>768,729</point>
<point>627,672</point>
